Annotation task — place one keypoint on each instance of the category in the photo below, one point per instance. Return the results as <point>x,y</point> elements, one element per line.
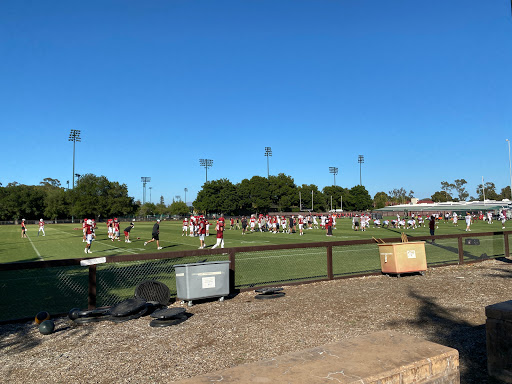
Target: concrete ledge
<point>498,330</point>
<point>380,358</point>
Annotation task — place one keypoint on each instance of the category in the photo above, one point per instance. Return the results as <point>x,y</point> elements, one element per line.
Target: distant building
<point>427,206</point>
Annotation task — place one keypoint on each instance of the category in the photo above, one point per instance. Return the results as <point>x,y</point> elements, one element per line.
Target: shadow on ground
<point>443,326</point>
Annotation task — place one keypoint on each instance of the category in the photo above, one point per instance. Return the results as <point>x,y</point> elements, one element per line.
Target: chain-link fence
<point>59,285</point>
<point>24,293</point>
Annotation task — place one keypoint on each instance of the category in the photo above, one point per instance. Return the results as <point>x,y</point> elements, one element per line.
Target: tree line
<point>96,196</point>
<point>277,193</point>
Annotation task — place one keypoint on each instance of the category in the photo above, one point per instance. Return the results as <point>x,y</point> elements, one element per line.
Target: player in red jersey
<point>84,229</point>
<point>110,228</point>
<point>231,223</point>
<point>88,234</point>
<point>220,234</point>
<point>23,228</point>
<point>202,232</point>
<point>301,225</point>
<point>116,230</point>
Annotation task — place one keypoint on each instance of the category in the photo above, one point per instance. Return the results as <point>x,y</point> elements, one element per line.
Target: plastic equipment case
<point>202,280</point>
<point>400,258</point>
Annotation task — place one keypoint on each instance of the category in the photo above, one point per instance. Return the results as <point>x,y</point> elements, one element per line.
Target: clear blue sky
<point>422,89</point>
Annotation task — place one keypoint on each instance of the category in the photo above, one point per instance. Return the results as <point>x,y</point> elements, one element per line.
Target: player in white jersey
<point>468,222</point>
<point>376,223</point>
<point>455,219</point>
<point>283,224</point>
<point>184,228</point>
<point>489,217</point>
<point>41,227</point>
<point>315,222</point>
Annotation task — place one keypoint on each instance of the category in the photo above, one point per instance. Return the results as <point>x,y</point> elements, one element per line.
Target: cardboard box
<point>403,257</point>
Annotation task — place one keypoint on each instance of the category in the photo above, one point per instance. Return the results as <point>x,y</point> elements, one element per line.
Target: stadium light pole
<point>206,163</point>
<point>186,190</point>
<point>68,184</point>
<point>312,200</point>
<point>74,136</point>
<point>509,168</point>
<point>268,153</point>
<point>150,188</point>
<point>483,188</point>
<point>360,160</point>
<point>334,171</point>
<point>144,181</point>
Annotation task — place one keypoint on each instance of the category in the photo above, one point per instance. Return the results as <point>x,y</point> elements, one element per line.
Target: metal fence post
<point>92,287</point>
<point>505,240</point>
<point>461,250</point>
<point>330,274</point>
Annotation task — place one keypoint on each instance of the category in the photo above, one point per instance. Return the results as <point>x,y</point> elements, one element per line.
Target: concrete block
<point>380,358</point>
<point>498,329</point>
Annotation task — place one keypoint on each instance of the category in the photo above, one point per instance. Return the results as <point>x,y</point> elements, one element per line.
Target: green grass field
<point>63,241</point>
<point>56,290</point>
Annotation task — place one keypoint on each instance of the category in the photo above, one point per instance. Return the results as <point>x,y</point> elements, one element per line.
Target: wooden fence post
<point>231,271</point>
<point>330,274</point>
<point>461,250</point>
<point>92,286</point>
<point>505,240</point>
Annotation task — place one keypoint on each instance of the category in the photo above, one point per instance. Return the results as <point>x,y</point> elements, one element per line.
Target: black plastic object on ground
<point>153,291</point>
<point>269,293</point>
<point>89,315</point>
<point>168,313</point>
<point>472,241</point>
<point>46,327</point>
<point>167,317</point>
<point>157,323</point>
<point>128,307</point>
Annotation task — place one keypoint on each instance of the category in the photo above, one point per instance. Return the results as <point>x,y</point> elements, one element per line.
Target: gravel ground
<point>444,306</point>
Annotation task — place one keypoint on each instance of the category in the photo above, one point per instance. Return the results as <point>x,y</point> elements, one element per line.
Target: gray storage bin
<point>202,280</point>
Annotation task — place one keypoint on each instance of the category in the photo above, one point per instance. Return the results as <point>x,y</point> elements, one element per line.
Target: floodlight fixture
<point>334,171</point>
<point>360,160</point>
<point>509,167</point>
<point>74,136</point>
<point>268,153</point>
<point>144,180</point>
<point>206,163</point>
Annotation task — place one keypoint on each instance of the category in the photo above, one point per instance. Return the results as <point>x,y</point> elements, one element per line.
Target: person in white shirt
<point>468,222</point>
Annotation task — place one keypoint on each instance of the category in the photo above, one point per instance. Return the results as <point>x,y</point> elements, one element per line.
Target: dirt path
<point>444,306</point>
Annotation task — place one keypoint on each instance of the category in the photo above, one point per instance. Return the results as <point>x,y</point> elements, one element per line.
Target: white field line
<point>33,246</point>
<point>305,254</point>
<point>109,245</point>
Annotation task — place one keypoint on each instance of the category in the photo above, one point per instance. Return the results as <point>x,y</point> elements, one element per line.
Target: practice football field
<point>64,241</point>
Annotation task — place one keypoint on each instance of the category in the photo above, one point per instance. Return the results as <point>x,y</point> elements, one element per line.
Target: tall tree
<point>380,200</point>
<point>338,194</point>
<point>505,193</point>
<point>490,191</point>
<point>218,196</point>
<point>461,189</point>
<point>179,208</point>
<point>96,196</point>
<point>254,195</point>
<point>398,196</point>
<point>359,199</point>
<point>441,197</point>
<point>283,192</point>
